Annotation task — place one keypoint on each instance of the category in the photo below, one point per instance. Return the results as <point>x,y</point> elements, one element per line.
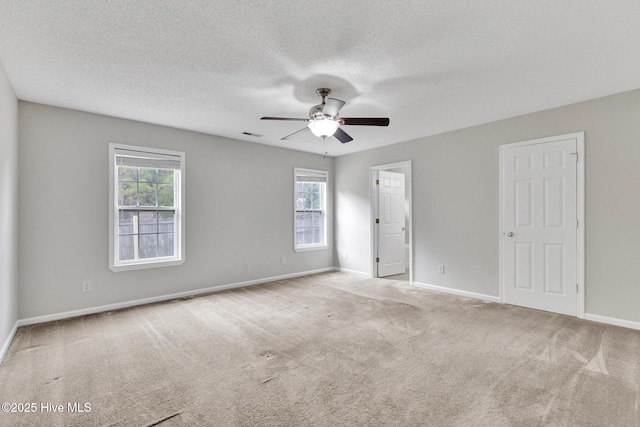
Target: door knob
<point>510,234</point>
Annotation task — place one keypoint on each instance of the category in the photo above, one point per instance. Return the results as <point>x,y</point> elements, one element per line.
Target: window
<point>146,226</point>
<point>310,209</point>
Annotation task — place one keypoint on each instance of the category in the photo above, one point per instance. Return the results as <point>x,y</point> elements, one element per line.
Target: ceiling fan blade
<point>284,118</point>
<point>365,121</point>
<point>293,135</point>
<point>342,136</point>
<point>332,106</point>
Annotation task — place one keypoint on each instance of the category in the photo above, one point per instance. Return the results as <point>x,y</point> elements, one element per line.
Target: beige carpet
<point>325,350</point>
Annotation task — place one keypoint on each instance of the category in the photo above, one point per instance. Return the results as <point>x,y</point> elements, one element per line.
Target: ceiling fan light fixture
<point>323,127</point>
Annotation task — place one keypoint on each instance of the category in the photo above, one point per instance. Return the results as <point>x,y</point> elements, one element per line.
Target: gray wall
<point>455,201</point>
<point>8,207</point>
<point>239,206</point>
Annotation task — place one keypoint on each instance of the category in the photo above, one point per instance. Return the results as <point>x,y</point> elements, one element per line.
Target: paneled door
<point>391,223</point>
<point>539,221</point>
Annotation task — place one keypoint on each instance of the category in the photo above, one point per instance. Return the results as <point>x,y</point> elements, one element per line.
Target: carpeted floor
<point>326,350</point>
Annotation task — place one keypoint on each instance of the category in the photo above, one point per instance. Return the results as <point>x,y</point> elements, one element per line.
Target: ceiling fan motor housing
<point>316,113</point>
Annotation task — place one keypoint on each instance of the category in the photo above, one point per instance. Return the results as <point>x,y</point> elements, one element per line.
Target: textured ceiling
<point>218,66</point>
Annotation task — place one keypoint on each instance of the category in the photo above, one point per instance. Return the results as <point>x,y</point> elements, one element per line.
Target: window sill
<point>146,264</point>
<point>310,248</point>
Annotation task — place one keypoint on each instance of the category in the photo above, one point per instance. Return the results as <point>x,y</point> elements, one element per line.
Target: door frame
<point>373,203</point>
<point>580,208</point>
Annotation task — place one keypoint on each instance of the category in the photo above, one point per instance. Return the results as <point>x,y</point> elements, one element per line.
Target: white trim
<point>373,175</point>
<point>179,257</point>
<point>394,165</point>
<point>346,270</point>
<point>147,263</point>
<point>143,301</point>
<point>501,202</point>
<point>612,321</point>
<point>8,341</point>
<point>588,316</point>
<point>456,292</point>
<point>307,248</point>
<point>580,209</point>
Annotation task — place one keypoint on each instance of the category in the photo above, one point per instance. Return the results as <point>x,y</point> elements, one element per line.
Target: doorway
<point>542,224</point>
<point>391,222</point>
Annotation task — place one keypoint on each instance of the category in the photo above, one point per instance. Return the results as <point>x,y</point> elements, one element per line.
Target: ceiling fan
<point>323,119</point>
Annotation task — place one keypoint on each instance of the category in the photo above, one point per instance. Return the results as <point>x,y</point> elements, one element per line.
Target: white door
<point>540,225</point>
<point>391,225</point>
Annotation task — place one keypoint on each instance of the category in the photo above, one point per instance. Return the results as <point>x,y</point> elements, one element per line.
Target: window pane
<point>165,195</point>
<point>308,201</point>
<point>315,202</point>
<point>127,174</point>
<point>125,244</point>
<point>148,175</point>
<point>125,222</point>
<point>165,176</point>
<point>147,195</point>
<point>147,245</point>
<point>148,222</point>
<point>165,244</point>
<point>166,222</point>
<point>127,194</point>
<point>316,235</point>
<point>317,219</point>
<point>308,236</point>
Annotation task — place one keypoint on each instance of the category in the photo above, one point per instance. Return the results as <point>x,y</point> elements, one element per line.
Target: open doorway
<point>391,222</point>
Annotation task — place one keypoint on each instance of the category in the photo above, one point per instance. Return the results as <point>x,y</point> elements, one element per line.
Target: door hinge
<point>377,259</point>
<point>576,222</point>
<point>377,220</point>
<point>377,182</point>
<point>577,289</point>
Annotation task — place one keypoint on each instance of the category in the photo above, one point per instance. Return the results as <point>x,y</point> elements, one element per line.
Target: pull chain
<point>324,138</point>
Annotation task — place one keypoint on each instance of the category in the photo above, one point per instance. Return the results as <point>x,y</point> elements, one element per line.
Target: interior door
<point>540,226</point>
<point>391,225</point>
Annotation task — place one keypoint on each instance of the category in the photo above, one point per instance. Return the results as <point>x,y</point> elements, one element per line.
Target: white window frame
<point>317,173</point>
<point>137,264</point>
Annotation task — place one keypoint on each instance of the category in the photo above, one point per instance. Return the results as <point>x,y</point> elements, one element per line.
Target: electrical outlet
<point>441,268</point>
<point>86,286</point>
<point>246,265</point>
<point>283,261</point>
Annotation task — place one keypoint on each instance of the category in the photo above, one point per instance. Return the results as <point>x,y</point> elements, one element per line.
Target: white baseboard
<point>456,292</point>
<point>126,304</point>
<point>593,317</point>
<point>346,270</point>
<point>612,321</point>
<point>7,342</point>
